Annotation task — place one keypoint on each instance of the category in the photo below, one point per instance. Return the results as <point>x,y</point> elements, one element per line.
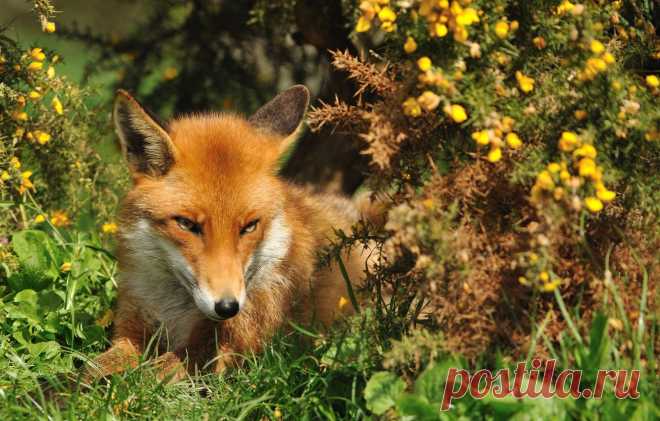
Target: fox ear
<point>283,114</point>
<point>144,142</point>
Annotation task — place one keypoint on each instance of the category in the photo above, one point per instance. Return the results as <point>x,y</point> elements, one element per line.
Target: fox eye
<point>249,227</point>
<point>188,225</point>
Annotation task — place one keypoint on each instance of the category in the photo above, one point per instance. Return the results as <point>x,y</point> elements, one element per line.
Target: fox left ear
<point>144,142</point>
<point>283,115</point>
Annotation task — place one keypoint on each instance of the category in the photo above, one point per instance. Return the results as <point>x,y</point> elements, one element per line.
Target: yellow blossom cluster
<point>525,83</point>
<point>20,179</point>
<point>109,228</point>
<point>538,274</point>
<point>36,58</point>
<point>376,13</point>
<point>59,219</point>
<point>597,63</point>
<point>443,17</point>
<point>499,135</point>
<point>575,176</point>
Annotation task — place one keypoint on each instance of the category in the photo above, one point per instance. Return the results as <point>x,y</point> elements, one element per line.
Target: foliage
<point>513,144</point>
<point>48,169</point>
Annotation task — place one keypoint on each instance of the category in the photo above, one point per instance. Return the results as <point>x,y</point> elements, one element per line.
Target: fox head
<point>206,207</point>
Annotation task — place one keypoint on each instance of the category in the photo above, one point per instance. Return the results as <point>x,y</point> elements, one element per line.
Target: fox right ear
<point>144,142</point>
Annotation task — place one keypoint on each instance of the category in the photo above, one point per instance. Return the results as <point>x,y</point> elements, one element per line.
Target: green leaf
<point>47,349</point>
<point>35,251</point>
<point>417,407</point>
<point>27,296</point>
<point>382,391</point>
<point>431,382</point>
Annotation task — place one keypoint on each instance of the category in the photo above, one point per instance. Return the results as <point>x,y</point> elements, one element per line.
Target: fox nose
<point>226,308</point>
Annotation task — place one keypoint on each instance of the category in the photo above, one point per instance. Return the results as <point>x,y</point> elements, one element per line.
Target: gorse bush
<point>520,148</point>
<point>48,169</point>
<point>519,142</point>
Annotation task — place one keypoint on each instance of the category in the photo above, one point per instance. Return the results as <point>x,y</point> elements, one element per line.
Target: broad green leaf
<point>417,407</point>
<point>35,251</point>
<point>382,391</point>
<point>431,382</point>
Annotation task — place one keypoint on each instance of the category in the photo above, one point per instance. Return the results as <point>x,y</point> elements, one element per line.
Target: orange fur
<point>222,176</point>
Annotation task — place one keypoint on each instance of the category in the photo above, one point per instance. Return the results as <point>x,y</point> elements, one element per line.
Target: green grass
<point>49,327</point>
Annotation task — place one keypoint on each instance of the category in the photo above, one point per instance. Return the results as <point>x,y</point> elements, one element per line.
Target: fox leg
<point>123,354</point>
<point>127,344</point>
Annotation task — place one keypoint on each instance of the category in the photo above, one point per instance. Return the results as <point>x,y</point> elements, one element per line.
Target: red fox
<point>214,248</point>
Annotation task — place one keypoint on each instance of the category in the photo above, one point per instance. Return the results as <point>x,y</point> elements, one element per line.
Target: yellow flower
<point>544,180</point>
<point>363,24</point>
<point>49,27</point>
<point>596,47</point>
<point>593,204</point>
<point>59,219</point>
<point>565,6</point>
<point>551,286</point>
<point>526,83</point>
<point>388,26</point>
<point>26,183</point>
<point>35,65</point>
<point>456,112</point>
<point>57,106</point>
<point>19,115</point>
<point>502,29</point>
<point>411,107</point>
<point>342,303</point>
<point>558,193</point>
<point>386,14</point>
<point>507,124</point>
<point>42,137</point>
<point>580,114</point>
<point>424,63</point>
<point>495,154</point>
<point>587,167</point>
<point>605,195</point>
<point>66,267</point>
<point>106,319</point>
<point>34,95</point>
<point>467,17</point>
<point>554,168</point>
<point>652,81</point>
<point>109,228</point>
<point>440,29</point>
<point>513,140</point>
<point>37,54</point>
<point>5,176</point>
<point>544,276</point>
<point>539,42</point>
<point>39,218</point>
<point>481,137</point>
<point>428,100</point>
<point>585,151</point>
<point>461,34</point>
<point>609,58</point>
<point>50,72</point>
<point>522,280</point>
<point>410,46</point>
<point>14,162</point>
<point>568,141</point>
<point>277,413</point>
